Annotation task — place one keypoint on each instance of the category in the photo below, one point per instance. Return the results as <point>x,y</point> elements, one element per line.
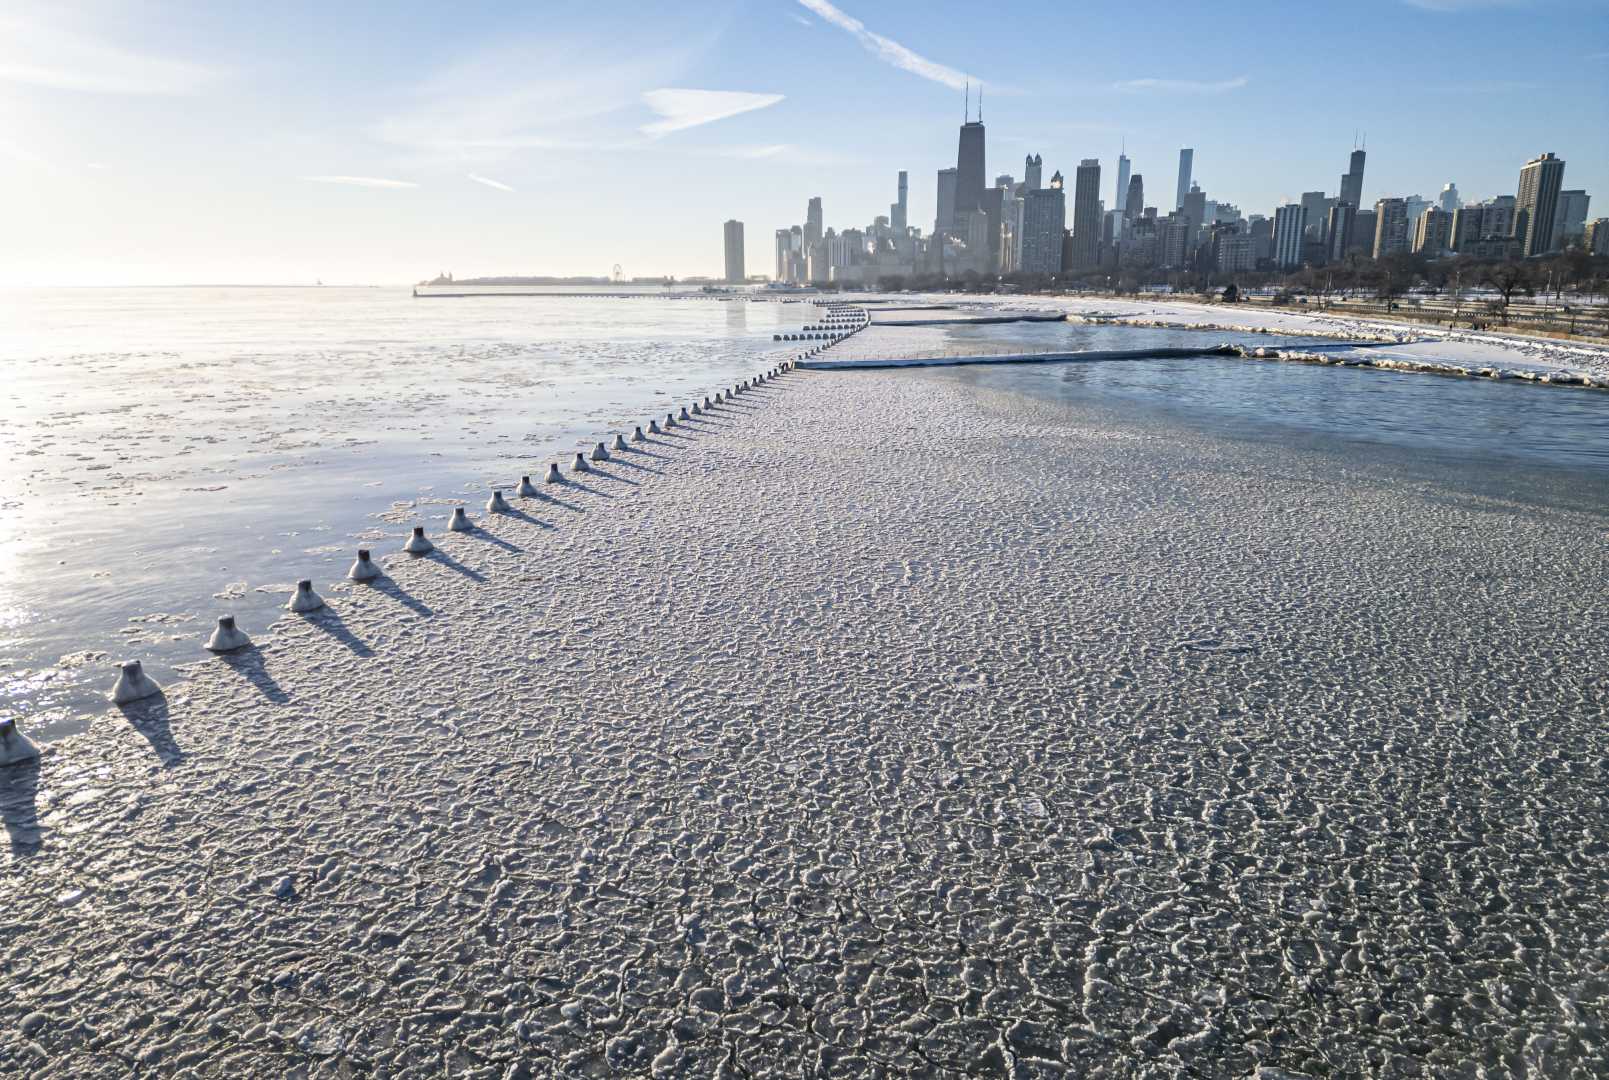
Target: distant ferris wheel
<point>618,274</point>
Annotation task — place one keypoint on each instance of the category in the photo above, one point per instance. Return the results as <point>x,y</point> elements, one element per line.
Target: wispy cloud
<point>680,109</point>
<point>1179,86</point>
<point>40,54</point>
<point>489,182</point>
<point>800,19</point>
<point>545,94</point>
<point>362,181</point>
<point>888,50</point>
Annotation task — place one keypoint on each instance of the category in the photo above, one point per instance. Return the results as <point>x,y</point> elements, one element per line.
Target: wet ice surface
<point>879,725</point>
<point>1485,425</point>
<point>169,455</point>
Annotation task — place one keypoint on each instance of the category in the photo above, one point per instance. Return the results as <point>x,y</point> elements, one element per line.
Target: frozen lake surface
<point>167,453</point>
<point>173,454</point>
<point>878,724</point>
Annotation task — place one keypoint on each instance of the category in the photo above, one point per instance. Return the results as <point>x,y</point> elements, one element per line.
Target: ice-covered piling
<point>304,599</point>
<point>638,436</point>
<point>459,522</point>
<point>580,463</point>
<point>227,637</point>
<point>365,568</point>
<point>133,684</point>
<point>418,543</point>
<point>698,410</point>
<point>684,415</point>
<point>707,404</point>
<point>497,504</point>
<point>15,747</point>
<point>554,475</point>
<point>670,420</point>
<point>620,442</point>
<point>600,453</point>
<point>653,426</point>
<point>526,488</point>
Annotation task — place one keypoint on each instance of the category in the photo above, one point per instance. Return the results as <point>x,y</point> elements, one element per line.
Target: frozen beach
<point>880,723</point>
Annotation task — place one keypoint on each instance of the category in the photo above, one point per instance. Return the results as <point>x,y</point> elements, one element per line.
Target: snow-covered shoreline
<point>1437,349</point>
<point>869,722</point>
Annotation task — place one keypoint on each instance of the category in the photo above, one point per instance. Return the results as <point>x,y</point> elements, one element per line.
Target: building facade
<point>1536,204</point>
<point>1044,218</point>
<point>735,270</point>
<point>1290,232</point>
<point>1391,235</point>
<point>1086,216</point>
<point>1187,158</point>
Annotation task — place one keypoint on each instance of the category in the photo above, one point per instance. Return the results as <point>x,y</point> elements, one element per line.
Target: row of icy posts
<point>133,684</point>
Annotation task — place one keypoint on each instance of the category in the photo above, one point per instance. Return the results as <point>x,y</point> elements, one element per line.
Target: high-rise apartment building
<point>1448,200</point>
<point>1186,166</point>
<point>1352,180</point>
<point>1134,203</point>
<point>897,212</point>
<point>735,270</point>
<point>1290,233</point>
<point>969,173</point>
<point>1044,218</point>
<point>1122,194</point>
<point>1031,174</point>
<point>1087,216</point>
<point>1390,227</point>
<point>1432,232</point>
<point>945,221</point>
<point>1536,204</point>
<point>1570,222</point>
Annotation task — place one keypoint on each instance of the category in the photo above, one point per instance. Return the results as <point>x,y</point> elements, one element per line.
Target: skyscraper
<point>1030,173</point>
<point>1570,223</point>
<point>1134,201</point>
<point>1338,230</point>
<point>1186,163</point>
<point>1391,227</point>
<point>1044,217</point>
<point>735,271</point>
<point>1290,233</point>
<point>897,212</point>
<point>812,229</point>
<point>1352,180</point>
<point>1432,231</point>
<point>1537,203</point>
<point>784,249</point>
<point>1122,194</point>
<point>945,221</point>
<point>1448,199</point>
<point>1317,212</point>
<point>969,171</point>
<point>1087,216</point>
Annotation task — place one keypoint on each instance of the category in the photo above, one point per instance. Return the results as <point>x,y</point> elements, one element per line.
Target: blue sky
<point>380,142</point>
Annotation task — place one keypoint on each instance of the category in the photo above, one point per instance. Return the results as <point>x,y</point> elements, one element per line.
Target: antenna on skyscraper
<point>966,102</point>
<point>980,103</point>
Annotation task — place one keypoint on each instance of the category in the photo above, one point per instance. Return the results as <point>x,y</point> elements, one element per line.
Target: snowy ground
<point>875,726</point>
<point>1415,344</point>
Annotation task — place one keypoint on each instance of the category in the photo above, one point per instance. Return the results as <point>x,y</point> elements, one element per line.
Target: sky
<point>367,142</point>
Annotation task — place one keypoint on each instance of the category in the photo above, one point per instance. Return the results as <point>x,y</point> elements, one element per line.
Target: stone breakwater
<point>868,725</point>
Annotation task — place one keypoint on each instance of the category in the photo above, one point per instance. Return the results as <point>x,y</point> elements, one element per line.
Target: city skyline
<point>391,143</point>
